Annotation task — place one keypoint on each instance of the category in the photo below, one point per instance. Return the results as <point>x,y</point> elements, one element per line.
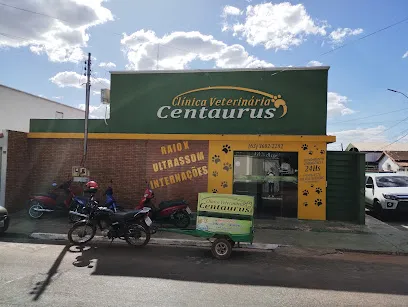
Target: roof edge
<point>46,99</point>
<point>282,69</point>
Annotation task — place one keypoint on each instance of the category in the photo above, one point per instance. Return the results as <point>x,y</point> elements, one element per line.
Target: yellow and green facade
<point>211,117</point>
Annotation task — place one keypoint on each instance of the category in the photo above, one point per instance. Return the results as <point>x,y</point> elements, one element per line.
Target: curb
<point>347,250</point>
<point>156,241</point>
<point>47,237</point>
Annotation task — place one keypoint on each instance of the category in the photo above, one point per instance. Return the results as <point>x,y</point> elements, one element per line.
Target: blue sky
<point>44,56</point>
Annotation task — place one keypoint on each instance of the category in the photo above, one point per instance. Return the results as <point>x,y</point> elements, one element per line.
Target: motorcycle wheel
<point>84,228</point>
<point>181,219</point>
<point>32,212</point>
<point>137,235</point>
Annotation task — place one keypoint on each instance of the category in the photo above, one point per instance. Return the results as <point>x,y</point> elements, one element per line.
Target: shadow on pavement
<point>243,268</point>
<point>401,217</point>
<point>41,286</point>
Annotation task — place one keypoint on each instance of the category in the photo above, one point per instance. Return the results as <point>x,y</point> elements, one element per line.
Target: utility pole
<point>88,94</point>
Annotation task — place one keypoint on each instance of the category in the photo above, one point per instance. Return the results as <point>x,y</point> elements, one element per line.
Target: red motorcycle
<point>175,212</point>
<point>42,203</point>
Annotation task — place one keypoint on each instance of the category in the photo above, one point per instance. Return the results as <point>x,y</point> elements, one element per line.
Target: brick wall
<point>121,161</point>
<point>17,174</point>
<point>177,169</point>
<point>129,163</point>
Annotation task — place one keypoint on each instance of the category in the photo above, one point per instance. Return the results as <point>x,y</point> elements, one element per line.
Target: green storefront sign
<point>291,101</point>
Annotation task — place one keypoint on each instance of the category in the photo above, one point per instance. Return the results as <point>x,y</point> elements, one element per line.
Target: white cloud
<point>373,134</point>
<point>178,49</point>
<point>336,105</point>
<point>57,97</point>
<point>403,138</point>
<point>338,36</point>
<point>314,63</point>
<point>97,112</point>
<point>68,79</point>
<point>61,38</point>
<point>358,135</point>
<point>73,79</point>
<point>276,26</point>
<point>365,135</point>
<point>229,10</point>
<point>405,55</point>
<point>107,65</point>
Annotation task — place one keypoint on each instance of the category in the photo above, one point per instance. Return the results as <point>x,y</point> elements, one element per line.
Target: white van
<point>386,192</point>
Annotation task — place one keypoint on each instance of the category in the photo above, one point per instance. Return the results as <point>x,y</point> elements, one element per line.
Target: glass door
<point>271,177</point>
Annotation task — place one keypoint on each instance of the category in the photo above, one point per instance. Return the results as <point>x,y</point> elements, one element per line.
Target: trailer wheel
<point>221,248</point>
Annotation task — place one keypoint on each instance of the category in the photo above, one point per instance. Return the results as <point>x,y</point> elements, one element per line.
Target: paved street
<point>57,275</point>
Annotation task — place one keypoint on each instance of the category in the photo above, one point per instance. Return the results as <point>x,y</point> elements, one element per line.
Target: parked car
<point>386,192</point>
<point>4,220</point>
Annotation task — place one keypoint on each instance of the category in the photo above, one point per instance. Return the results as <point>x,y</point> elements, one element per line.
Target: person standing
<point>273,171</point>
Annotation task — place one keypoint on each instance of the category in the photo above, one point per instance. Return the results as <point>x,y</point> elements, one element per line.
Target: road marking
<point>406,227</point>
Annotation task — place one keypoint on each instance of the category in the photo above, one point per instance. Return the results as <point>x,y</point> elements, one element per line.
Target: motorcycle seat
<point>52,195</point>
<point>123,216</point>
<point>170,203</point>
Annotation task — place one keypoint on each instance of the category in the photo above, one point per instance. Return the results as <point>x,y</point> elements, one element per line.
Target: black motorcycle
<point>131,226</point>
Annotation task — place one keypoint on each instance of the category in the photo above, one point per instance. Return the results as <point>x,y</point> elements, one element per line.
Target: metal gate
<point>345,186</point>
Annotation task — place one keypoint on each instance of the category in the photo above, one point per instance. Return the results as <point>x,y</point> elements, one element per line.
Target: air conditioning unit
<point>105,96</point>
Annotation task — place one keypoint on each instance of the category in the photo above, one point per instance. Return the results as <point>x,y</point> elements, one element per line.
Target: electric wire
<point>189,51</point>
<point>275,73</point>
<point>32,12</point>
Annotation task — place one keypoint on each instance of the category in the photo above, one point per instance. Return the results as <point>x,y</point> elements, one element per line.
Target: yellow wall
<point>311,170</point>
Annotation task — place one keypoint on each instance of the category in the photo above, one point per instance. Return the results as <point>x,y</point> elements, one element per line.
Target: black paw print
<point>305,204</point>
<point>312,185</point>
<point>216,159</point>
<point>226,148</point>
<point>214,190</point>
<point>305,147</point>
<point>215,173</point>
<point>322,152</point>
<point>224,184</point>
<point>310,152</point>
<point>227,166</point>
<point>305,192</point>
<point>319,190</point>
<point>318,202</point>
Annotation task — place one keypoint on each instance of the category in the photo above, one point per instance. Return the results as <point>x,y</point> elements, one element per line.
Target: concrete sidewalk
<point>374,237</point>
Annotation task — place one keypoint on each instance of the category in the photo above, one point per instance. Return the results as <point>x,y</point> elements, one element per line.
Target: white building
<point>383,156</point>
<point>17,108</point>
<point>395,161</point>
